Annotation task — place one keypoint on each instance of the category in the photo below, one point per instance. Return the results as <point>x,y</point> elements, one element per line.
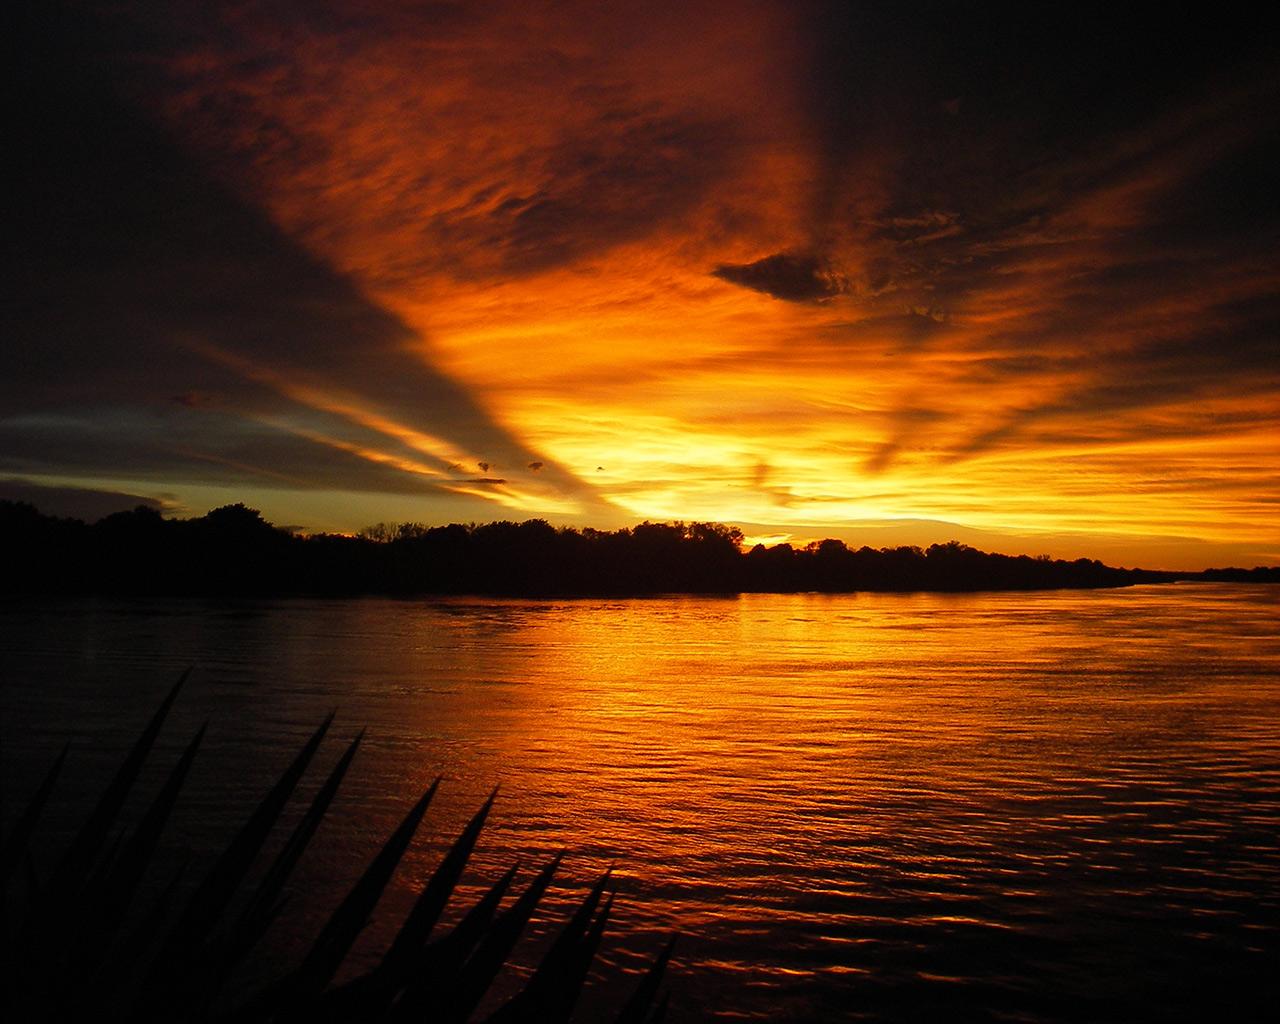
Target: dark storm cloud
<point>973,94</point>
<point>607,186</point>
<point>795,277</point>
<point>1236,359</point>
<point>596,169</point>
<point>1091,192</point>
<point>140,283</point>
<point>84,503</point>
<point>155,443</point>
<point>981,116</point>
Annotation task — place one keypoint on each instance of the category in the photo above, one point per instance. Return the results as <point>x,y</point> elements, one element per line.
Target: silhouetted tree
<point>234,551</point>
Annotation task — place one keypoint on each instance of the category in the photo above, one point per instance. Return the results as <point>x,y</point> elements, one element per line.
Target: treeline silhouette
<point>234,551</point>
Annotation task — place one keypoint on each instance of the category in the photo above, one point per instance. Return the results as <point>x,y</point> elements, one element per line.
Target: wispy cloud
<point>919,267</point>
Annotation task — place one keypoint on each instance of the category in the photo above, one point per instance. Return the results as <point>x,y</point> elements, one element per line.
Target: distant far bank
<point>233,551</point>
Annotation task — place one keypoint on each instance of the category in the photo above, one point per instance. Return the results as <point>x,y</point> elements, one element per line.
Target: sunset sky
<point>886,272</point>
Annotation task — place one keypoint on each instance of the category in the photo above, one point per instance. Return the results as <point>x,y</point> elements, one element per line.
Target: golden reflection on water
<point>893,798</point>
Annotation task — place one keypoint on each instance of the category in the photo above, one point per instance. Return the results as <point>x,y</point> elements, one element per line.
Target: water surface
<point>1043,807</point>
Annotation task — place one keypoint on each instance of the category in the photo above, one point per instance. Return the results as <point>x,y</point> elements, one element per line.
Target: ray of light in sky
<point>812,269</point>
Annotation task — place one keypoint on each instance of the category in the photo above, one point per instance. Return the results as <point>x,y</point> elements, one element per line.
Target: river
<point>1058,806</point>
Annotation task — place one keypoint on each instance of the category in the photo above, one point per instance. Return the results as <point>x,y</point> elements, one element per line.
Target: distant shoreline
<point>233,552</point>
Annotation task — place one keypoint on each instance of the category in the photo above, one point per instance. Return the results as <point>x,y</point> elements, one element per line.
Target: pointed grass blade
<point>485,963</point>
<point>102,867</point>
<point>229,871</point>
<point>435,894</point>
<point>15,843</point>
<point>109,900</point>
<point>264,906</point>
<point>452,950</point>
<point>353,913</point>
<point>636,1009</point>
<point>126,955</point>
<point>660,1011</point>
<point>553,983</point>
<point>84,849</point>
<point>181,959</point>
<point>440,962</point>
<point>563,994</point>
<point>51,933</point>
<point>562,949</point>
<point>377,989</point>
<point>127,871</point>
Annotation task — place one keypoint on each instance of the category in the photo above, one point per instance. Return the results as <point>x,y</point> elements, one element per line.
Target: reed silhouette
<point>82,941</point>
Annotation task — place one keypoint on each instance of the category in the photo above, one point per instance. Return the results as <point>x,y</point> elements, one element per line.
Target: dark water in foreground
<point>1060,806</point>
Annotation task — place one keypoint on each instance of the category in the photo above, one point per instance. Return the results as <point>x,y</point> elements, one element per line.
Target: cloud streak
<point>919,267</point>
<point>795,277</point>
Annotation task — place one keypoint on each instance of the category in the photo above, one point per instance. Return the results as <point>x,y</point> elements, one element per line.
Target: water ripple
<point>1040,807</point>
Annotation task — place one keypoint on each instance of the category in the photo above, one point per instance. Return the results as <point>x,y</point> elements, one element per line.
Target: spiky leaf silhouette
<point>90,950</point>
<point>14,847</point>
<point>80,856</point>
<point>265,903</point>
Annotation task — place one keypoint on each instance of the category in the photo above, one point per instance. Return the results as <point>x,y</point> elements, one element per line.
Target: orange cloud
<point>544,195</point>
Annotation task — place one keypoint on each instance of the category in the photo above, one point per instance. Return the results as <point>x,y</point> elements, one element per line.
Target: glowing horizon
<point>598,268</point>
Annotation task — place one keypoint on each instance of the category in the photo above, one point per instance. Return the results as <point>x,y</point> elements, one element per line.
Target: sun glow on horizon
<point>687,266</point>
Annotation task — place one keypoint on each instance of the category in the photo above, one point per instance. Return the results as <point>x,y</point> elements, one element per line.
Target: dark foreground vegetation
<point>234,551</point>
<point>85,938</point>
